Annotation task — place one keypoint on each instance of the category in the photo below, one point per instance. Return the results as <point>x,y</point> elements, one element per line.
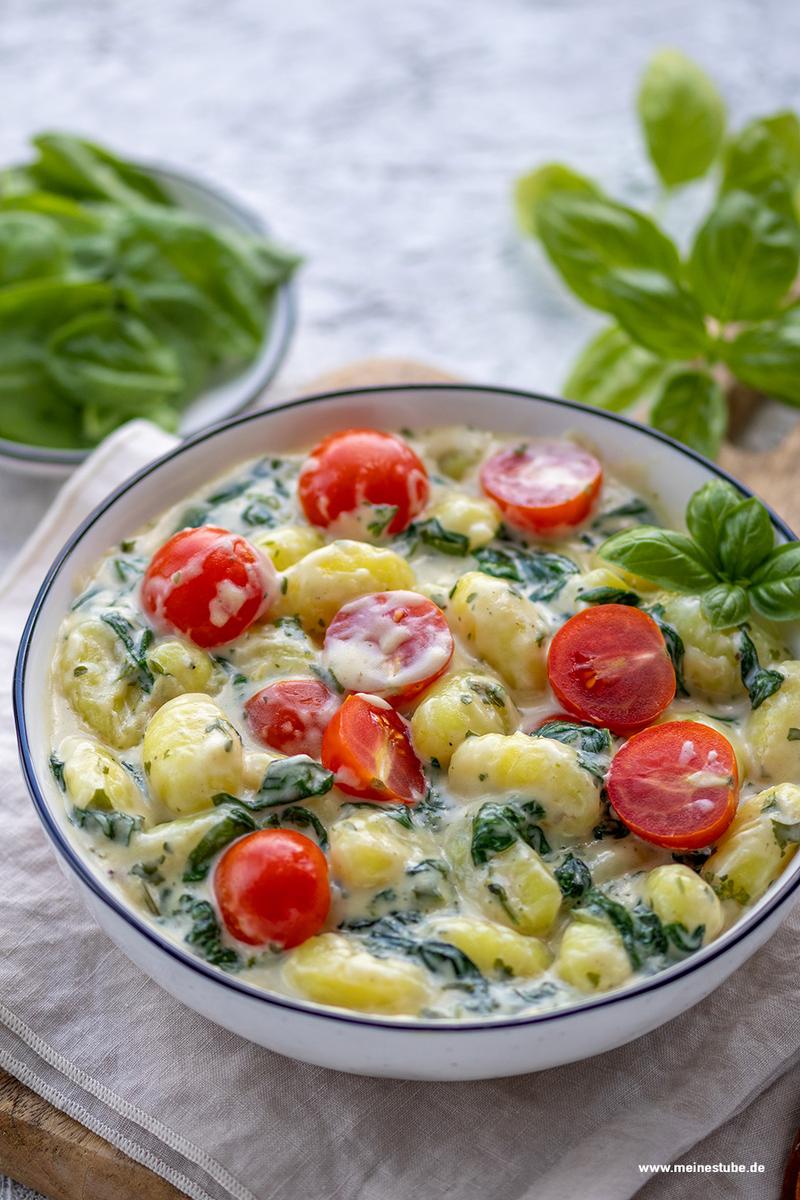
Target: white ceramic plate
<point>401,1047</point>
<point>226,398</point>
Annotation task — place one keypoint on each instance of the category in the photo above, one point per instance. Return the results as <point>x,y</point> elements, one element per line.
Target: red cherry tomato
<point>368,747</point>
<point>272,886</point>
<point>676,785</point>
<point>540,486</point>
<point>390,644</point>
<point>362,467</point>
<point>209,584</point>
<point>292,715</point>
<point>609,666</point>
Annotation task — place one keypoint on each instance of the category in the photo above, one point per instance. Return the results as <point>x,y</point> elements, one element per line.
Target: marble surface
<point>381,141</point>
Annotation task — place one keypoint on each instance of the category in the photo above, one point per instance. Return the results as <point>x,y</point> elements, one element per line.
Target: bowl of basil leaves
<point>128,290</point>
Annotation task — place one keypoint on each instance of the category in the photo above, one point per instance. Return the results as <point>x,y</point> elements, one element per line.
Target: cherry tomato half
<point>676,784</point>
<point>209,584</point>
<point>368,747</point>
<point>292,715</point>
<point>609,665</point>
<point>362,467</point>
<point>390,644</point>
<point>272,886</point>
<point>540,486</point>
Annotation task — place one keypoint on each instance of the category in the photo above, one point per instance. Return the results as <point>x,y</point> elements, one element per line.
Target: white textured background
<point>381,140</point>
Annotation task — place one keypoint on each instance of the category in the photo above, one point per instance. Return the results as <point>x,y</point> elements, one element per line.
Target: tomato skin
<point>359,467</point>
<point>208,584</point>
<point>609,666</point>
<point>543,486</point>
<point>291,715</point>
<point>653,785</point>
<point>388,644</point>
<point>368,747</point>
<point>272,886</point>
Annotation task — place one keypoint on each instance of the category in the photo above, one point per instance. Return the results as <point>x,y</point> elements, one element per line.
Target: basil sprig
<point>673,323</point>
<point>728,557</point>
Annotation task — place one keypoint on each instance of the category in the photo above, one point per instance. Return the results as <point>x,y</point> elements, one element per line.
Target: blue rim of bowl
<point>743,928</point>
<point>279,336</point>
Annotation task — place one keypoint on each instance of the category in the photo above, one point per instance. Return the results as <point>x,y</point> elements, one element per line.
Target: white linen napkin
<point>221,1118</point>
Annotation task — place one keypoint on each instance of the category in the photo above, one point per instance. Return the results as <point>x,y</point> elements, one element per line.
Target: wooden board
<point>51,1153</point>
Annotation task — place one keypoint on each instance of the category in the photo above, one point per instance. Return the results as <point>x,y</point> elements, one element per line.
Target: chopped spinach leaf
<point>230,491</point>
<point>609,595</point>
<point>683,940</point>
<point>542,573</point>
<point>609,824</point>
<point>592,743</point>
<point>128,571</point>
<point>136,643</point>
<point>640,929</point>
<point>573,877</point>
<point>634,511</point>
<point>260,511</point>
<point>794,734</point>
<point>786,833</point>
<point>674,644</point>
<point>117,826</point>
<point>446,541</point>
<point>232,826</point>
<point>301,818</point>
<point>57,767</point>
<point>428,864</point>
<point>384,514</point>
<point>290,779</point>
<point>759,681</point>
<point>192,518</point>
<point>496,827</point>
<point>136,774</point>
<point>205,935</point>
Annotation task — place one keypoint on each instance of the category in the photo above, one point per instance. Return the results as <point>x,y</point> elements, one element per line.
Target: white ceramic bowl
<point>399,1047</point>
<point>225,398</point>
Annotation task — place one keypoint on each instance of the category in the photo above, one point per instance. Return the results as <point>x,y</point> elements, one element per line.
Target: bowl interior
<point>671,471</point>
<point>224,398</point>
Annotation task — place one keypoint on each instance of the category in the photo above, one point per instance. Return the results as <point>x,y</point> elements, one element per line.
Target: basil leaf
<point>291,779</point>
<point>585,237</point>
<point>682,115</point>
<point>691,408</point>
<point>746,538</point>
<point>767,357</point>
<point>531,189</point>
<point>136,643</point>
<point>613,372</point>
<point>543,573</point>
<point>760,682</point>
<point>301,818</point>
<point>573,877</point>
<point>609,595</point>
<point>232,826</point>
<point>744,258</point>
<point>706,513</point>
<point>682,940</point>
<point>766,149</point>
<point>775,586</point>
<point>674,644</point>
<point>726,605</point>
<point>205,935</point>
<point>661,556</point>
<point>116,826</point>
<point>657,312</point>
